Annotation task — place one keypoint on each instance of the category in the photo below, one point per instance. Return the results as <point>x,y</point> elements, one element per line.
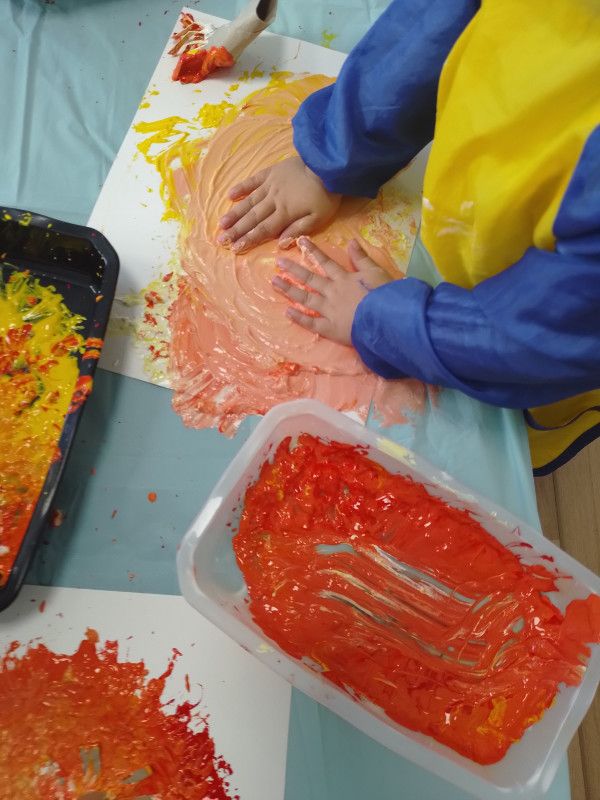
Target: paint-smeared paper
<point>238,709</point>
<point>130,209</point>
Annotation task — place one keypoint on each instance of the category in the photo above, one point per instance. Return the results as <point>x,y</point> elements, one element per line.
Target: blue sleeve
<point>526,337</point>
<point>356,134</point>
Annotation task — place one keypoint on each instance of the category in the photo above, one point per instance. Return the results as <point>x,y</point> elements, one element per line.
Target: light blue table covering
<point>72,73</point>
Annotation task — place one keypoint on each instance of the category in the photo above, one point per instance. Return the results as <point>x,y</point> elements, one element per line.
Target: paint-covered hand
<point>326,303</point>
<point>285,201</point>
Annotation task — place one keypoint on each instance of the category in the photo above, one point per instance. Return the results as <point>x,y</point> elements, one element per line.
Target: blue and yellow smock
<point>510,93</point>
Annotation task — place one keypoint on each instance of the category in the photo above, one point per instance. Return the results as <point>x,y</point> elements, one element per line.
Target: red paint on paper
<point>195,65</point>
<point>404,601</point>
<point>96,726</point>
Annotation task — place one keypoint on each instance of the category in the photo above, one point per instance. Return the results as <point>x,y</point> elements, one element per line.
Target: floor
<point>569,505</point>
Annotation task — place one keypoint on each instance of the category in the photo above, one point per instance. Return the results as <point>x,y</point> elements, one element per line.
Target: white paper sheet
<point>248,705</point>
<point>129,208</point>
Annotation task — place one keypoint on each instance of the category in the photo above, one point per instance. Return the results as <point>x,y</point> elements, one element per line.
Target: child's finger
<point>360,260</point>
<point>296,229</point>
<point>268,228</point>
<point>246,187</point>
<point>316,324</point>
<point>251,219</point>
<point>307,299</point>
<point>319,259</point>
<point>301,274</point>
<point>372,275</point>
<point>241,208</point>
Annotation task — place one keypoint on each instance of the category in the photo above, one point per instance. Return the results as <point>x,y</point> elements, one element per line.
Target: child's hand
<point>285,200</point>
<point>330,301</point>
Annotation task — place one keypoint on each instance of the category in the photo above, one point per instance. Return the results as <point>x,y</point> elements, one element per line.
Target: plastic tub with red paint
<point>212,582</point>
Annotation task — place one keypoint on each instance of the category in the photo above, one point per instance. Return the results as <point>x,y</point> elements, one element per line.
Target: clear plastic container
<point>211,581</point>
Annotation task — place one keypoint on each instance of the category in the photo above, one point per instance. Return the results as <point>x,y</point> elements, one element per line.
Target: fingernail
<point>223,238</point>
<point>304,240</point>
<point>238,245</point>
<point>286,243</point>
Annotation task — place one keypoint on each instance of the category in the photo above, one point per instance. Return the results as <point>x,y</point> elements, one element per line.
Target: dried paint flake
<point>327,38</point>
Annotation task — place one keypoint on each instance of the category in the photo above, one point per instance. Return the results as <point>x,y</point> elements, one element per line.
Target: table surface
<point>72,73</point>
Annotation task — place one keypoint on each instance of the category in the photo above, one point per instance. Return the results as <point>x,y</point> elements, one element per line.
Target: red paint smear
<point>91,355</point>
<point>83,389</point>
<point>152,298</point>
<point>42,607</point>
<point>191,34</point>
<point>152,497</point>
<point>193,67</point>
<point>398,614</point>
<point>61,705</point>
<point>150,319</point>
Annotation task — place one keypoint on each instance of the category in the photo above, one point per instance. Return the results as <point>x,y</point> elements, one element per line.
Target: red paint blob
<point>57,517</point>
<point>194,66</point>
<point>404,601</point>
<point>88,723</point>
<point>152,497</point>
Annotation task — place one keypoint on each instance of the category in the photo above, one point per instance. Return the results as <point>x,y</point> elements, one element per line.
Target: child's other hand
<point>285,200</point>
<point>329,302</point>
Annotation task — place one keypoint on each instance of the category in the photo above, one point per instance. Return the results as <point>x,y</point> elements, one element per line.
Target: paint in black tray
<point>83,267</point>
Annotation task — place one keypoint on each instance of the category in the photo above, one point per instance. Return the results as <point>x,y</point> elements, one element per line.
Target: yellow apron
<point>518,97</point>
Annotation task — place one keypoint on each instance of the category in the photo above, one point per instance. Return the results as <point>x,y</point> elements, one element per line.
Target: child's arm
<point>354,135</point>
<point>526,337</point>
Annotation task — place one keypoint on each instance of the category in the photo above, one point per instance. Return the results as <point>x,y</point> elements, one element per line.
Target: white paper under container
<point>212,582</point>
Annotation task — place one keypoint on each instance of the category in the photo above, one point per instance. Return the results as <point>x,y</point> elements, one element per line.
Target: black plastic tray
<point>83,266</point>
